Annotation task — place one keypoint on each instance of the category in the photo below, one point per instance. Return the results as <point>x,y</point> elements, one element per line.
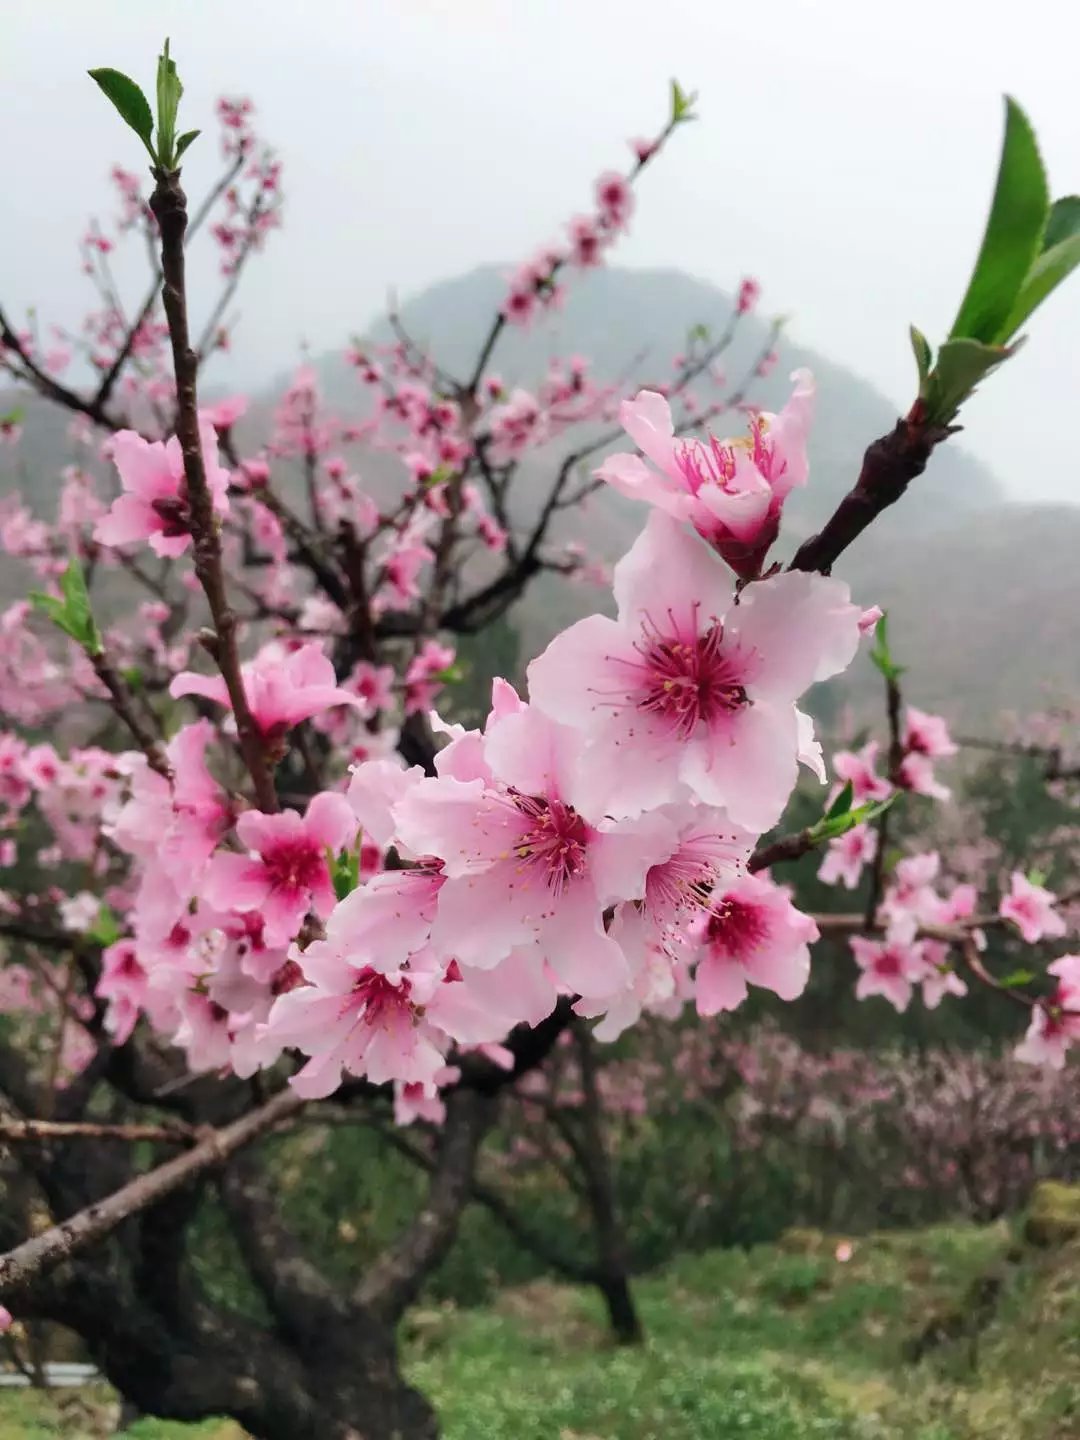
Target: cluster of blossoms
<point>921,923</point>
<point>591,842</point>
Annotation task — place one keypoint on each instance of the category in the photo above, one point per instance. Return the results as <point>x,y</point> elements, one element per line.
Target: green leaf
<point>105,929</point>
<point>129,100</point>
<point>871,810</point>
<point>169,91</point>
<point>185,140</point>
<point>1063,222</point>
<point>1017,977</point>
<point>1050,269</point>
<point>72,612</point>
<point>682,104</point>
<point>924,356</point>
<point>836,822</point>
<point>1014,233</point>
<point>697,332</point>
<point>881,655</point>
<point>13,417</point>
<point>961,365</point>
<point>842,804</point>
<point>449,675</point>
<point>344,870</point>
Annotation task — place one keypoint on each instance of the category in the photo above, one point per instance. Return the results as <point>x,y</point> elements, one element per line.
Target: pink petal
<point>803,627</point>
<point>330,820</point>
<point>670,572</point>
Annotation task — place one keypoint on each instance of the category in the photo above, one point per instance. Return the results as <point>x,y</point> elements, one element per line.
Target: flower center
<point>735,927</point>
<point>556,839</point>
<point>377,998</point>
<point>685,881</point>
<point>705,464</point>
<point>174,513</point>
<point>296,866</point>
<point>687,682</point>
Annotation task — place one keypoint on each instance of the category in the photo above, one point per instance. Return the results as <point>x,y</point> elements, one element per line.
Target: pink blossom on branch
<point>285,873</point>
<point>731,491</point>
<point>847,855</point>
<point>154,505</point>
<point>1031,908</point>
<point>890,967</point>
<point>751,934</point>
<point>687,692</point>
<point>282,687</point>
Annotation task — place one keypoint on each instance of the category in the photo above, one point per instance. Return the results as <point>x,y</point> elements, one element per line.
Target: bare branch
<point>20,1267</point>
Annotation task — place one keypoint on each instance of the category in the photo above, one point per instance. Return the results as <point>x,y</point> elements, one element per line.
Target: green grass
<point>778,1343</point>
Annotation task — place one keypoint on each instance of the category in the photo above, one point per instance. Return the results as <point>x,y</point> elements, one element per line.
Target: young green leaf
<point>834,824</point>
<point>881,655</point>
<point>1014,233</point>
<point>184,141</point>
<point>1063,222</point>
<point>129,100</point>
<point>842,804</point>
<point>72,612</point>
<point>169,91</point>
<point>682,104</point>
<point>961,365</point>
<point>1050,269</point>
<point>344,870</point>
<point>105,930</point>
<point>1017,977</point>
<point>924,356</point>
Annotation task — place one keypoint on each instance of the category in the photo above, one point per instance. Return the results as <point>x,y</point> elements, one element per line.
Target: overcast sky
<point>845,155</point>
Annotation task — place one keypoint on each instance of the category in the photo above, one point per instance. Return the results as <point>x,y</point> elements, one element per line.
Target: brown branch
<point>394,1279</point>
<point>18,1131</point>
<point>20,1267</point>
<point>500,1208</point>
<point>108,381</point>
<point>39,380</point>
<point>123,704</point>
<point>169,205</point>
<point>787,847</point>
<point>888,467</point>
<point>896,756</point>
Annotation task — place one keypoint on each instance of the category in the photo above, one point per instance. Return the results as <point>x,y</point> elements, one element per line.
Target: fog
<point>845,155</point>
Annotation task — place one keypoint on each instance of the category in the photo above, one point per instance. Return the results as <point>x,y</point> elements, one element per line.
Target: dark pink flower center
<point>556,839</point>
<point>295,865</point>
<point>377,997</point>
<point>174,512</point>
<point>692,681</point>
<point>890,964</point>
<point>735,927</point>
<point>705,464</point>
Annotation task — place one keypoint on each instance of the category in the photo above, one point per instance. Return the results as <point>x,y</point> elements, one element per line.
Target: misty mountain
<point>982,593</point>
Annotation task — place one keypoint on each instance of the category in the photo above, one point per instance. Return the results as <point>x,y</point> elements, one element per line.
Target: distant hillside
<point>983,594</point>
<point>615,315</point>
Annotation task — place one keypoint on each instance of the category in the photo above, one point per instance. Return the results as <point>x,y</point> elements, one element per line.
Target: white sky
<point>845,155</point>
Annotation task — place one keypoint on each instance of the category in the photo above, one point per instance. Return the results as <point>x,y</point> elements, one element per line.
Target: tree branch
<point>169,205</point>
<point>397,1275</point>
<point>20,1267</point>
<point>888,467</point>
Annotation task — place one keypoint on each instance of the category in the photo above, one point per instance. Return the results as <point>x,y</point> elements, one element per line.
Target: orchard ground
<point>781,1342</point>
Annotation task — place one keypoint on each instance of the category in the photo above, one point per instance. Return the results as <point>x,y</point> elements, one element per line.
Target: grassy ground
<point>781,1343</point>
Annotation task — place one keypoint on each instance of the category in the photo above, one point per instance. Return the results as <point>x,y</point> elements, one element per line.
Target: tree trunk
<point>622,1312</point>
